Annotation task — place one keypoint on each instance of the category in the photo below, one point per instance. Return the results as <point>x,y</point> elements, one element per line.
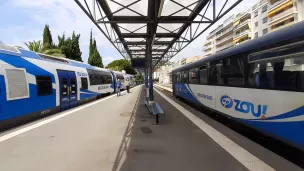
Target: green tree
<point>35,46</point>
<point>91,45</point>
<point>61,41</point>
<point>121,64</point>
<point>138,78</point>
<point>47,42</point>
<point>76,53</point>
<point>95,58</point>
<point>70,47</point>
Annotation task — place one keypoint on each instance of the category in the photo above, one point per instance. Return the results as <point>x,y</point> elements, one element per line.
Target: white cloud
<point>63,16</point>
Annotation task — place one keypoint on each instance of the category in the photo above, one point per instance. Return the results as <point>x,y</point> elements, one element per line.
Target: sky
<point>24,20</point>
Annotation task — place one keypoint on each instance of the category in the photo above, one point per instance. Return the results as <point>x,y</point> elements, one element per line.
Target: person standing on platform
<point>128,86</point>
<point>118,87</point>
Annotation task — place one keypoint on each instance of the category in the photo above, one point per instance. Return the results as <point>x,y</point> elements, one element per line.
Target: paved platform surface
<point>117,134</point>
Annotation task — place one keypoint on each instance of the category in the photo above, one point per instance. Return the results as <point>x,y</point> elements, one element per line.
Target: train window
<point>216,73</point>
<point>73,86</point>
<point>212,74</point>
<point>91,77</point>
<point>84,83</point>
<point>121,78</point>
<point>16,83</point>
<point>64,86</point>
<point>99,77</point>
<point>284,74</point>
<point>44,85</point>
<point>233,71</point>
<point>193,76</point>
<point>178,77</point>
<point>185,76</point>
<point>203,76</point>
<point>278,68</point>
<point>110,79</point>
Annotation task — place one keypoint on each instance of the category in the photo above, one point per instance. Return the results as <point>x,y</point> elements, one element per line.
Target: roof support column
<point>150,69</point>
<point>146,76</point>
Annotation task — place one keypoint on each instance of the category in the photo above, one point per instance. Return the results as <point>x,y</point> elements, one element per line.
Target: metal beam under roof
<point>155,27</point>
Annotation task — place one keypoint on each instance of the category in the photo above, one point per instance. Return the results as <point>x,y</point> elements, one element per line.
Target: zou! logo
<point>244,106</point>
<point>226,101</point>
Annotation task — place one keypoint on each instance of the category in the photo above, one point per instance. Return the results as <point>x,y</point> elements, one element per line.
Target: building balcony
<point>224,33</point>
<point>278,4</point>
<point>242,34</point>
<point>228,38</point>
<point>239,16</point>
<point>224,47</point>
<point>282,26</point>
<point>208,53</point>
<point>242,24</point>
<point>283,15</point>
<point>207,42</point>
<point>207,48</point>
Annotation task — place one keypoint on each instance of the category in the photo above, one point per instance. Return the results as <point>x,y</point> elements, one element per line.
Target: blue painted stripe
<point>14,108</point>
<point>31,68</point>
<point>297,112</point>
<point>81,65</point>
<point>288,131</point>
<point>85,95</point>
<point>29,54</point>
<point>183,91</point>
<point>9,52</point>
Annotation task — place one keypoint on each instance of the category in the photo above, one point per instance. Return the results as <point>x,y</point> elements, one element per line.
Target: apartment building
<point>164,73</point>
<point>242,27</point>
<point>190,59</point>
<point>209,45</point>
<point>259,18</point>
<point>283,13</point>
<point>224,35</point>
<point>264,17</point>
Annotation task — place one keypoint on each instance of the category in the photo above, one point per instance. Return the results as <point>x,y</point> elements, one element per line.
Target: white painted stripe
<point>63,114</point>
<point>166,88</point>
<point>247,159</point>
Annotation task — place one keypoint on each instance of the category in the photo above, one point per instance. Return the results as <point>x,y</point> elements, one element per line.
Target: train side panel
<point>29,86</point>
<point>279,114</point>
<point>19,88</point>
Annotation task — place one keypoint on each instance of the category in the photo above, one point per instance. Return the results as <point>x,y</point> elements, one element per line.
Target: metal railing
<point>223,40</point>
<point>225,47</point>
<point>206,48</point>
<point>242,24</point>
<point>207,42</point>
<point>235,36</point>
<point>241,15</point>
<point>282,14</point>
<point>283,26</point>
<point>277,4</point>
<point>223,33</point>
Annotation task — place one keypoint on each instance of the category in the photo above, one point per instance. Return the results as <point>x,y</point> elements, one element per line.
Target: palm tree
<point>36,46</point>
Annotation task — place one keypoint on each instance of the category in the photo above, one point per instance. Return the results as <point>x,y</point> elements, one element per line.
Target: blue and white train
<point>33,85</point>
<point>259,83</point>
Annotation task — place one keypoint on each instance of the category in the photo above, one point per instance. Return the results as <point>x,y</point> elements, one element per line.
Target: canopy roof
<point>160,28</point>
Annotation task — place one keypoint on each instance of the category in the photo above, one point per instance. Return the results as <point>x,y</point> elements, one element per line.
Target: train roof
<point>290,32</point>
<point>17,51</point>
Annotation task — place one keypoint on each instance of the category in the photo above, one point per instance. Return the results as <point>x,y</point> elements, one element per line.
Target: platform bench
<point>156,109</point>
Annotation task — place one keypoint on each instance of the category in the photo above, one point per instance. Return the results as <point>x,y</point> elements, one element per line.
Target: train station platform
<point>118,134</point>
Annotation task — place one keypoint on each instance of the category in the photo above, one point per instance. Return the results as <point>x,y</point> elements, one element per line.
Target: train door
<point>73,88</point>
<point>68,89</point>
